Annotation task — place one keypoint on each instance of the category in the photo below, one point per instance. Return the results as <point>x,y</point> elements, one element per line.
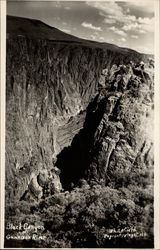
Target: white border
<point>2,114</point>
<point>157,129</point>
<point>156,120</point>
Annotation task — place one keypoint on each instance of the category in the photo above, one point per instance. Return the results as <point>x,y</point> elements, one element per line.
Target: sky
<point>124,23</point>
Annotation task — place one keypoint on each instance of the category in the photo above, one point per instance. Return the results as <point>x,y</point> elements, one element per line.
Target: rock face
<point>117,131</point>
<point>125,130</point>
<point>61,110</point>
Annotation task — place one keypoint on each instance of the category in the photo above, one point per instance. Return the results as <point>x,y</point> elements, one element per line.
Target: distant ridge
<point>37,29</point>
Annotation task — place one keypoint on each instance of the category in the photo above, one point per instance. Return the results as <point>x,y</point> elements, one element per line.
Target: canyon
<point>76,111</point>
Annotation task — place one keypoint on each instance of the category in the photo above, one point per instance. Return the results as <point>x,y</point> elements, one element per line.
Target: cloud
<point>118,31</point>
<point>142,31</point>
<point>90,26</point>
<point>57,18</point>
<point>134,36</point>
<point>96,33</point>
<point>122,39</point>
<point>128,10</point>
<point>147,24</point>
<point>102,38</point>
<point>114,13</point>
<point>129,18</point>
<point>109,21</point>
<point>93,37</point>
<point>142,25</point>
<point>130,26</point>
<point>107,8</point>
<point>58,5</point>
<point>67,8</point>
<point>146,5</point>
<point>66,31</point>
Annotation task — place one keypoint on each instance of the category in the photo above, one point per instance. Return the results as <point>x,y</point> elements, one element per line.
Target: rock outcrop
<point>117,129</point>
<point>125,130</point>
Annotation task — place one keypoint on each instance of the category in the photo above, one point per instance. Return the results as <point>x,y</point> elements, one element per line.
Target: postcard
<point>80,101</point>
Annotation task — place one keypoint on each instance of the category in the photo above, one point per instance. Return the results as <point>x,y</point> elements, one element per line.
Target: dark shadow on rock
<point>74,160</point>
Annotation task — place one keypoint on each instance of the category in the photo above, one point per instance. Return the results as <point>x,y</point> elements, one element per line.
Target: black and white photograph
<point>79,124</point>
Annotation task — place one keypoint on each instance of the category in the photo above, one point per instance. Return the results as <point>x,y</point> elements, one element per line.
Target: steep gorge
<point>50,87</point>
<point>79,141</point>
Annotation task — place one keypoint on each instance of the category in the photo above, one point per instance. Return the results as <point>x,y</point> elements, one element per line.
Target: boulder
<point>56,185</point>
<point>42,178</point>
<point>102,81</point>
<point>34,188</point>
<point>105,72</point>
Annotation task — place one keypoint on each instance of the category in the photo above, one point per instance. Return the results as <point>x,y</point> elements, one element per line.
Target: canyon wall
<point>49,86</point>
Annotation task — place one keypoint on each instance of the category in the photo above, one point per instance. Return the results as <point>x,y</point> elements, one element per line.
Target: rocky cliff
<point>117,136</point>
<point>53,98</point>
<point>79,141</point>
